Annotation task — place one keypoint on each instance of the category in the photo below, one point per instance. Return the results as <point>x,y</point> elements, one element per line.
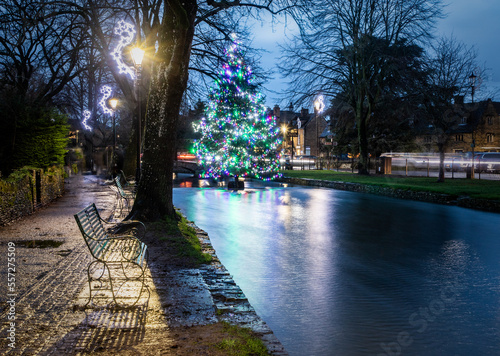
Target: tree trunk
<point>168,83</point>
<point>363,141</point>
<point>441,162</point>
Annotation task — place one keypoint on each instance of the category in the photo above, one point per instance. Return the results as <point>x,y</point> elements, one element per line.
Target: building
<point>301,131</point>
<point>476,127</point>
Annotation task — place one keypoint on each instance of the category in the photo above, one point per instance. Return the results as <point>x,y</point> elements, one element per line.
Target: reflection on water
<point>341,273</point>
<point>186,184</point>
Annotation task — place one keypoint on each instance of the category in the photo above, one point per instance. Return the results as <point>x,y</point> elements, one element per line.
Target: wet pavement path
<point>51,283</point>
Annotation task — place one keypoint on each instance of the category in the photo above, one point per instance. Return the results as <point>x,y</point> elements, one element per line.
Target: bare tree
<point>39,56</point>
<point>336,51</point>
<point>450,65</point>
<point>39,49</point>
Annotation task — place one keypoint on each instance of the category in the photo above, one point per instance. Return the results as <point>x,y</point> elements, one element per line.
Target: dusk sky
<point>472,22</point>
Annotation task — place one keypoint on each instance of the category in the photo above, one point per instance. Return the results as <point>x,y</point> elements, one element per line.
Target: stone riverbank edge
<point>229,300</point>
<point>430,197</point>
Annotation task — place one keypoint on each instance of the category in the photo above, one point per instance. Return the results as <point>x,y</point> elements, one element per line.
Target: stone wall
<point>466,202</point>
<point>23,196</point>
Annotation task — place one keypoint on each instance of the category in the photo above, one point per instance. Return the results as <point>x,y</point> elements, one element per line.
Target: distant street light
<point>137,57</point>
<point>284,129</point>
<point>472,82</point>
<point>318,106</point>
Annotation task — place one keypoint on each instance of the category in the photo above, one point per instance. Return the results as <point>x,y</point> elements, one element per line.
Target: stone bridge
<point>181,166</point>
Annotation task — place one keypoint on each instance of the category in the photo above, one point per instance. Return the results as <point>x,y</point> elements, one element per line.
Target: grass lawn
<point>474,188</point>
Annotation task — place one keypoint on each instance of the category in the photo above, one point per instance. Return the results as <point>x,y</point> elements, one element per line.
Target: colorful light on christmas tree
<point>238,137</point>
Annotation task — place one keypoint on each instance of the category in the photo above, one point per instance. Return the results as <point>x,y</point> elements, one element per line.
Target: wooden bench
<point>124,198</point>
<point>111,254</point>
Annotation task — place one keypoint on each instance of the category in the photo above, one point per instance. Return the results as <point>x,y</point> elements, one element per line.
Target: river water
<point>343,273</point>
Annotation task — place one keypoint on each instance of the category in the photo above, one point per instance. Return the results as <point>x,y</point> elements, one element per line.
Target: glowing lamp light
<point>137,55</point>
<point>113,103</point>
<point>319,105</point>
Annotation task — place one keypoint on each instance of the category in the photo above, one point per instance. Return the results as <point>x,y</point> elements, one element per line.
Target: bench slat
<point>110,250</point>
<point>102,246</point>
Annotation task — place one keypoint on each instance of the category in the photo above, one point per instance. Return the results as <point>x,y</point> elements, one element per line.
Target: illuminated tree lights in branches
<point>106,94</point>
<point>126,32</point>
<point>238,137</point>
<point>86,116</point>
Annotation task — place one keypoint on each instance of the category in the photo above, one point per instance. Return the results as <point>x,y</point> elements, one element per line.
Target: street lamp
<point>113,103</point>
<point>284,129</point>
<point>472,82</point>
<point>283,146</point>
<point>318,106</point>
<point>137,57</point>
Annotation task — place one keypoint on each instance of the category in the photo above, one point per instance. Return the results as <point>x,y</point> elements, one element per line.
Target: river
<point>342,273</point>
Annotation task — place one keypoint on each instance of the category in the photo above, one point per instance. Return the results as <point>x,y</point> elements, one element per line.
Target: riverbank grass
<point>473,188</point>
<point>181,238</point>
<point>240,342</point>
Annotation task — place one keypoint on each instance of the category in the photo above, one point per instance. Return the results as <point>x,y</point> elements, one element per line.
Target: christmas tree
<point>238,138</point>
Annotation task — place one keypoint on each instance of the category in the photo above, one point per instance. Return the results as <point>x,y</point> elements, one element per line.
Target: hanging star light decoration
<point>86,116</point>
<point>126,32</point>
<point>106,94</point>
<point>238,137</point>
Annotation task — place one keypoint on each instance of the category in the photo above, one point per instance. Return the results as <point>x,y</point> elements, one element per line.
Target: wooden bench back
<point>89,222</point>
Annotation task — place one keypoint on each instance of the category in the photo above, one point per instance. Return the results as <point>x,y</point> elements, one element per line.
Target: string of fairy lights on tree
<point>86,117</point>
<point>106,94</point>
<point>238,137</point>
<point>126,33</point>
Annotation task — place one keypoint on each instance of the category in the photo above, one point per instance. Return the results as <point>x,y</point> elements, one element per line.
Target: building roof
<point>326,133</point>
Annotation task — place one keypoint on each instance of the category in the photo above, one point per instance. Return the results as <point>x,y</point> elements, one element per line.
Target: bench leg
<point>104,279</point>
<point>101,280</point>
<point>141,278</point>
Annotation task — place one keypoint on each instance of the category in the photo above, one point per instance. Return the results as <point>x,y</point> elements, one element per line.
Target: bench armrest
<point>135,246</point>
<point>138,228</point>
<point>125,225</point>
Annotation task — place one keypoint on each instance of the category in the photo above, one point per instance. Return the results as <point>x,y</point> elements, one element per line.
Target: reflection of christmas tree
<point>237,136</point>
